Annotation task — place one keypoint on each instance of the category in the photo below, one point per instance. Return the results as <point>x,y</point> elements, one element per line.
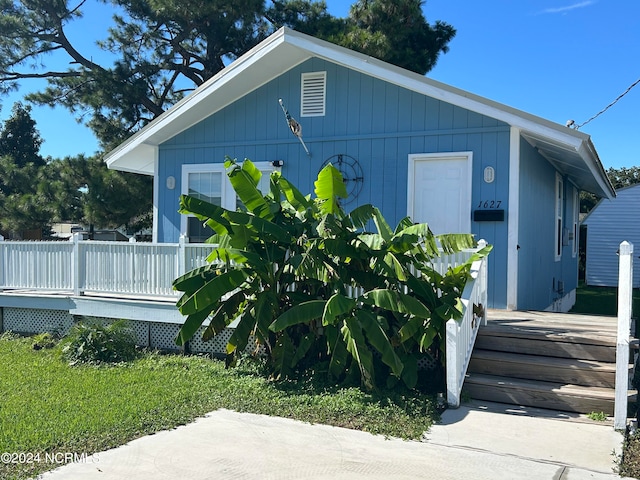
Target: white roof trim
<point>287,48</point>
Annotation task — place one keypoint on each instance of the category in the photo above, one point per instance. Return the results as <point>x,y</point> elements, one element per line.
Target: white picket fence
<point>112,268</point>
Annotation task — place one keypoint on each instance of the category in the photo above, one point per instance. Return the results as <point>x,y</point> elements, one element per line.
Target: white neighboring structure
<point>609,224</point>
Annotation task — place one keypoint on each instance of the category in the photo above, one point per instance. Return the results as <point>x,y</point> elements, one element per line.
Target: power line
<point>610,105</point>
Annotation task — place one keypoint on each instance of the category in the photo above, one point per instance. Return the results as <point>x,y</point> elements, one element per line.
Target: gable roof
<point>569,150</point>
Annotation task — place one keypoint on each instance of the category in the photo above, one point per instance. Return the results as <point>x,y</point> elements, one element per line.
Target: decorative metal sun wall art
<point>352,174</point>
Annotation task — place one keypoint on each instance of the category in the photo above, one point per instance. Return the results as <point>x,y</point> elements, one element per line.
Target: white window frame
<point>559,206</point>
<point>228,197</point>
<point>319,94</point>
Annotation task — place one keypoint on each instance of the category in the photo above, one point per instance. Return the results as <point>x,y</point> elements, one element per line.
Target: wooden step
<point>531,393</point>
<point>546,369</point>
<point>535,342</point>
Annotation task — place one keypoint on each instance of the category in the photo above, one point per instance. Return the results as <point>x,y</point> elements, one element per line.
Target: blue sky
<point>558,59</point>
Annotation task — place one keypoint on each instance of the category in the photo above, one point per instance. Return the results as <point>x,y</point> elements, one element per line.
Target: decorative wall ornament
<point>295,127</point>
<point>352,174</point>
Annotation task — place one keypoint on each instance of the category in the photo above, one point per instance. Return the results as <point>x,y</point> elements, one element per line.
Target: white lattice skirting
<point>158,335</point>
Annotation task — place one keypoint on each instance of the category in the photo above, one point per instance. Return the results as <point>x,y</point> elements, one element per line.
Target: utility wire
<point>610,105</point>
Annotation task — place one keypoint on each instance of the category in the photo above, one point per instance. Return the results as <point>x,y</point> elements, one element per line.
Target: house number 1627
<point>489,204</point>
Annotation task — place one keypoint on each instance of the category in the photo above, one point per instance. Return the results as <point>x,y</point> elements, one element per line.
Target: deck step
<point>541,368</point>
<point>545,343</point>
<point>532,393</point>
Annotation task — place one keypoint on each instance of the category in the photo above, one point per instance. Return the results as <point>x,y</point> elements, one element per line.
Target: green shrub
<point>315,285</point>
<point>92,342</point>
<point>44,340</point>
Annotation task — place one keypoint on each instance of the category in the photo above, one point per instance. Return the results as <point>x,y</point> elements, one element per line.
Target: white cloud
<point>568,7</point>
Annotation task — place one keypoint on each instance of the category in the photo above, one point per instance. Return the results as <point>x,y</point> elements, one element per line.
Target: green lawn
<point>601,300</point>
<point>50,407</point>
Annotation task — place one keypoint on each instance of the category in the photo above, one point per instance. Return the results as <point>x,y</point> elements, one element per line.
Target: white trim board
<point>513,219</point>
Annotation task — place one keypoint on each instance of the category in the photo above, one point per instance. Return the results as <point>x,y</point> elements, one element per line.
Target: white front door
<point>439,191</point>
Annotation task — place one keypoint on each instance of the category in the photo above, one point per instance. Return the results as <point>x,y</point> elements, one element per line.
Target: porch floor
<point>598,329</point>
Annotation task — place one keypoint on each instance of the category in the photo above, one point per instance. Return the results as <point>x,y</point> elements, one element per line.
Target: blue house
<point>405,143</point>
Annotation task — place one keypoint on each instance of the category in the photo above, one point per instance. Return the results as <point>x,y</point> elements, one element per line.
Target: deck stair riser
<point>555,361</point>
<point>544,369</point>
<point>554,396</point>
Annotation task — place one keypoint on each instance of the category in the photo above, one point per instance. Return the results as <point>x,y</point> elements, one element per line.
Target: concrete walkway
<point>477,441</point>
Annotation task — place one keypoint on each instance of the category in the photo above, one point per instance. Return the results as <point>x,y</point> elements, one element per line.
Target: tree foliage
<point>162,49</point>
<point>35,193</point>
<point>619,178</point>
<point>23,201</point>
<point>86,191</point>
<point>19,138</point>
<point>310,283</point>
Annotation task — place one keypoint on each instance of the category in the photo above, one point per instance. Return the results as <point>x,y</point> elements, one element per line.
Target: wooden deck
<point>555,325</point>
<point>545,360</point>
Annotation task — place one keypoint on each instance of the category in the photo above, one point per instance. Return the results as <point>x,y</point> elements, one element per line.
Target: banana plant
<point>312,283</point>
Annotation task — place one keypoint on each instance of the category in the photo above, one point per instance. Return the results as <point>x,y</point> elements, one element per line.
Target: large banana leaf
<point>454,242</point>
<point>259,225</point>
<point>244,181</point>
<point>191,325</point>
<point>228,311</point>
<point>304,345</point>
<point>402,224</point>
<point>265,307</point>
<point>360,216</point>
<point>378,339</point>
<point>205,211</point>
<point>329,187</point>
<point>410,370</point>
<point>412,328</point>
<point>240,336</point>
<point>211,292</point>
<point>293,195</point>
<point>302,313</point>
<point>357,346</point>
<point>381,224</point>
<point>283,355</point>
<point>396,302</point>
<point>336,306</point>
<point>196,278</point>
<point>238,256</point>
<point>338,351</point>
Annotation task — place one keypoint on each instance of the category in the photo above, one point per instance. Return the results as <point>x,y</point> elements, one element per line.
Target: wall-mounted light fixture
<point>171,182</point>
<point>489,174</point>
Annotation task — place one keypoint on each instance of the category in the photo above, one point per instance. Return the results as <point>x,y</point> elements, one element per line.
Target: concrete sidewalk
<point>476,441</point>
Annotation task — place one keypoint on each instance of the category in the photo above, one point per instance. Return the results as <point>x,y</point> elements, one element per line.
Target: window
<point>558,216</point>
<point>209,182</point>
<point>313,94</point>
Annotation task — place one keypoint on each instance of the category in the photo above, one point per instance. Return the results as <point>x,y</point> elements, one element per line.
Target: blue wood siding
<point>609,224</point>
<point>538,271</point>
<point>377,123</point>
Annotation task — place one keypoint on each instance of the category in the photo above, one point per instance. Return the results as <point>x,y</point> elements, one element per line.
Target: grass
<point>601,300</point>
<point>50,407</point>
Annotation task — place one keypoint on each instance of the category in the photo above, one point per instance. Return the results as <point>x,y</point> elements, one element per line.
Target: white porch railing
<point>118,268</point>
<point>461,334</point>
<point>625,310</point>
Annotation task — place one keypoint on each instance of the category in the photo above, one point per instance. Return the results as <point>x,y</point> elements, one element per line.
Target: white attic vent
<point>314,91</point>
